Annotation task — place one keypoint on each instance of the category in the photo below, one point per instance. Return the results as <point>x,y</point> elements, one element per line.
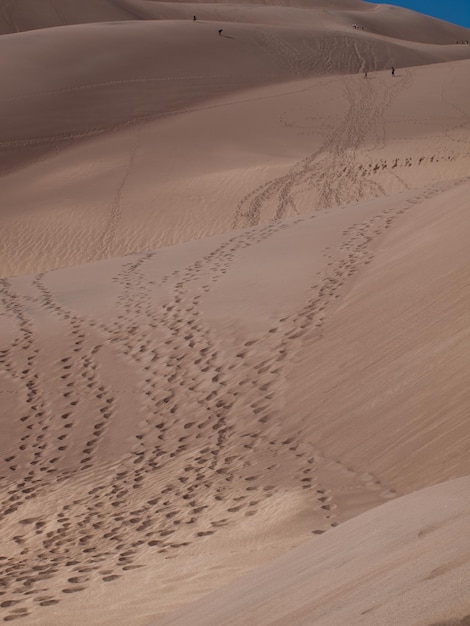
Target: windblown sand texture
<point>234,314</point>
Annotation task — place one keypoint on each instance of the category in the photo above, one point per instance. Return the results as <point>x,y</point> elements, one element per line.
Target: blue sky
<point>456,11</point>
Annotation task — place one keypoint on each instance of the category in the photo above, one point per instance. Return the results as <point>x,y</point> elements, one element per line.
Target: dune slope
<point>181,416</point>
<point>25,15</point>
<point>234,326</point>
<point>71,82</point>
<point>266,154</point>
<point>401,563</point>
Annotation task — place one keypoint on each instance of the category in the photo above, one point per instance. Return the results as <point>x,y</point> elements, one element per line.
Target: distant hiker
<point>220,31</point>
<point>393,71</point>
<point>194,18</point>
<point>365,74</point>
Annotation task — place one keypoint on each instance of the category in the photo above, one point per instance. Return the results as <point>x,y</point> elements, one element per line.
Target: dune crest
<point>77,81</point>
<point>276,152</point>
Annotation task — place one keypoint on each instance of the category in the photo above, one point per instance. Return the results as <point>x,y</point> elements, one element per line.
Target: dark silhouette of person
<point>365,74</point>
<point>221,30</point>
<point>194,18</point>
<point>393,71</point>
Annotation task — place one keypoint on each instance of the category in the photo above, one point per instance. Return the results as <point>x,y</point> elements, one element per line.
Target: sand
<point>360,572</point>
<point>234,315</point>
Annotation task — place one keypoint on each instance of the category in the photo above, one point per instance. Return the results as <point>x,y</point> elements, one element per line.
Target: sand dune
<point>26,15</point>
<point>277,151</point>
<point>78,81</point>
<point>234,315</point>
<point>204,407</point>
<point>362,565</point>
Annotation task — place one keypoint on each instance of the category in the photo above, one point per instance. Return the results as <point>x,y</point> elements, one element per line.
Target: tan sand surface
<point>62,84</point>
<point>262,155</point>
<point>234,315</point>
<point>401,563</point>
<point>197,410</point>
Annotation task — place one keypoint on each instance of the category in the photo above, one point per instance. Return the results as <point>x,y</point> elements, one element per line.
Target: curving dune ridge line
<point>277,152</point>
<point>234,315</point>
<point>78,80</point>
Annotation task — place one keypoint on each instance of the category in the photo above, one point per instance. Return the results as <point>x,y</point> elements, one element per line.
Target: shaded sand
<point>234,315</point>
<point>89,192</point>
<point>264,155</point>
<point>401,563</point>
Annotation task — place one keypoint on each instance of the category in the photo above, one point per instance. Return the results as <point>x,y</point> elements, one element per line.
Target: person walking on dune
<point>393,71</point>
